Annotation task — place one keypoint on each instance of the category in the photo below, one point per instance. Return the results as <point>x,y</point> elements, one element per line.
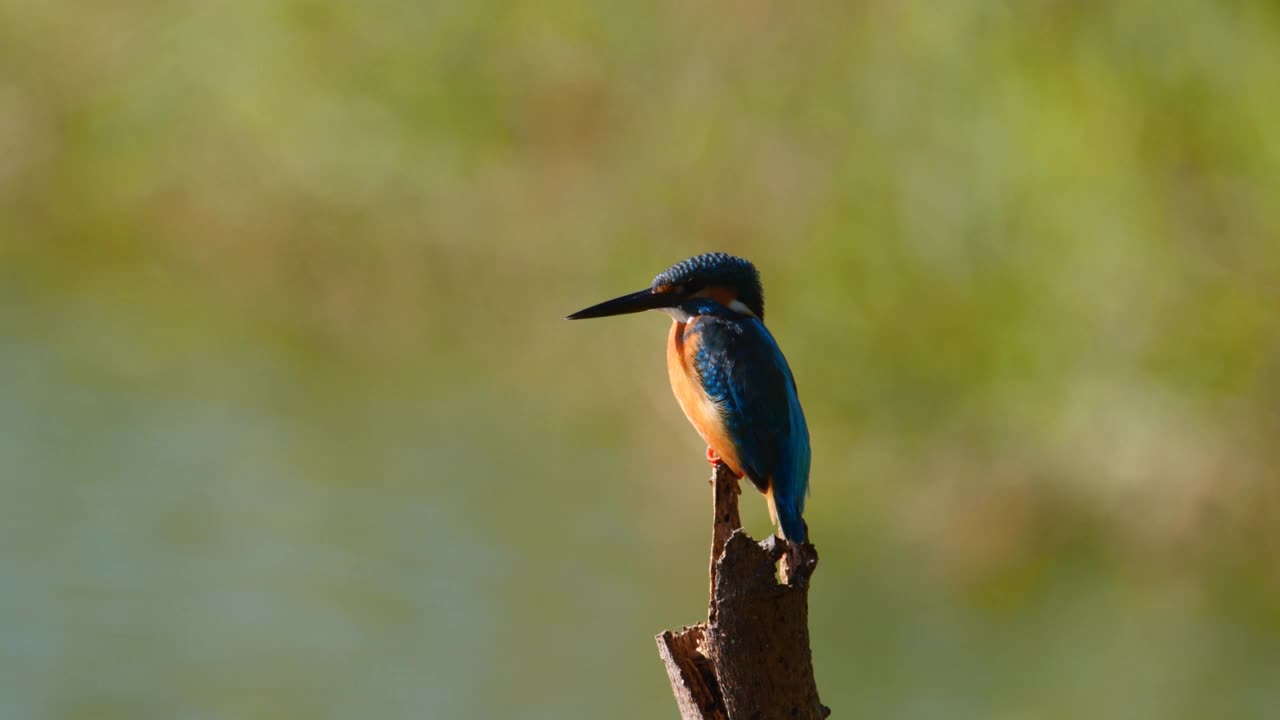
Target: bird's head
<point>690,288</point>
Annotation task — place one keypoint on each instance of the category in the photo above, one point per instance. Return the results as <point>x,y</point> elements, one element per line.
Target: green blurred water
<point>291,426</point>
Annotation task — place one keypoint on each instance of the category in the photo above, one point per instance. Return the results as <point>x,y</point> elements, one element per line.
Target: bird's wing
<point>744,373</point>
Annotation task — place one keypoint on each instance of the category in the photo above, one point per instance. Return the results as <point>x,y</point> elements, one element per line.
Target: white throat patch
<point>677,314</point>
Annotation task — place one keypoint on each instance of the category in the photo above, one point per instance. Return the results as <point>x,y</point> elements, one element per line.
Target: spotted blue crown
<point>717,269</point>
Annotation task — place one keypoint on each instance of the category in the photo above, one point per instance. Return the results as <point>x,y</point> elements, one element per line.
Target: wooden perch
<point>750,659</point>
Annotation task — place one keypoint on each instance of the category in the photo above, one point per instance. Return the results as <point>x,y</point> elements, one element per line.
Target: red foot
<point>713,458</point>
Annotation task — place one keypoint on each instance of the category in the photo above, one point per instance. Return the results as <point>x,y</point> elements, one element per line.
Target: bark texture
<point>750,660</point>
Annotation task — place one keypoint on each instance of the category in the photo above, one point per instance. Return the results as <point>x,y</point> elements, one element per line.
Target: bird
<point>730,377</point>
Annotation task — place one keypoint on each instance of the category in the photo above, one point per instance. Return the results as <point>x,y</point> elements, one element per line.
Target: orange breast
<point>702,413</point>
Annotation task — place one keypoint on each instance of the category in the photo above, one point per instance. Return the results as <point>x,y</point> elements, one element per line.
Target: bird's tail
<point>785,513</point>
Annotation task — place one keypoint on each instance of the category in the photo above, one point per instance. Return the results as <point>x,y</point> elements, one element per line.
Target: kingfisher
<point>730,377</point>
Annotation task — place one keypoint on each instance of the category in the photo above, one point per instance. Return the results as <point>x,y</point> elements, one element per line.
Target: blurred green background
<point>291,424</point>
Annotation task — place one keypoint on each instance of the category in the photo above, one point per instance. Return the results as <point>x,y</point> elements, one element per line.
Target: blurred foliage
<point>291,426</point>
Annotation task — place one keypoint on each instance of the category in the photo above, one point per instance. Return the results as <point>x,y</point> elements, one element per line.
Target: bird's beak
<point>646,299</point>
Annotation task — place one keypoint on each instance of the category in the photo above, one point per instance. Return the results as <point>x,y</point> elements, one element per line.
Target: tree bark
<point>750,660</point>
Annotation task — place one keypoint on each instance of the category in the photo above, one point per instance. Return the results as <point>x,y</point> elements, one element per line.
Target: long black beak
<point>635,302</point>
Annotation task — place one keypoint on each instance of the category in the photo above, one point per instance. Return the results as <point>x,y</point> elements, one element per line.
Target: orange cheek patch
<point>720,294</point>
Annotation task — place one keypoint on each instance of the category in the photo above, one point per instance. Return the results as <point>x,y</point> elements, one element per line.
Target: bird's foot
<point>713,458</point>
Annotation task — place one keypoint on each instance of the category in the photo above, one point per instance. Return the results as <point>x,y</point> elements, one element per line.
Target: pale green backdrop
<point>291,425</point>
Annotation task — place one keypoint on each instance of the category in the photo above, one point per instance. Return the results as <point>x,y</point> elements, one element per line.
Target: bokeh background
<point>291,424</point>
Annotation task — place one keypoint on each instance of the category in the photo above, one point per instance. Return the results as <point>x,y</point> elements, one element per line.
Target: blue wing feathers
<point>744,372</point>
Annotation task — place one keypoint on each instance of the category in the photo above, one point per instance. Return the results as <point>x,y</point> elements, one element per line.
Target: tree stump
<point>750,660</point>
